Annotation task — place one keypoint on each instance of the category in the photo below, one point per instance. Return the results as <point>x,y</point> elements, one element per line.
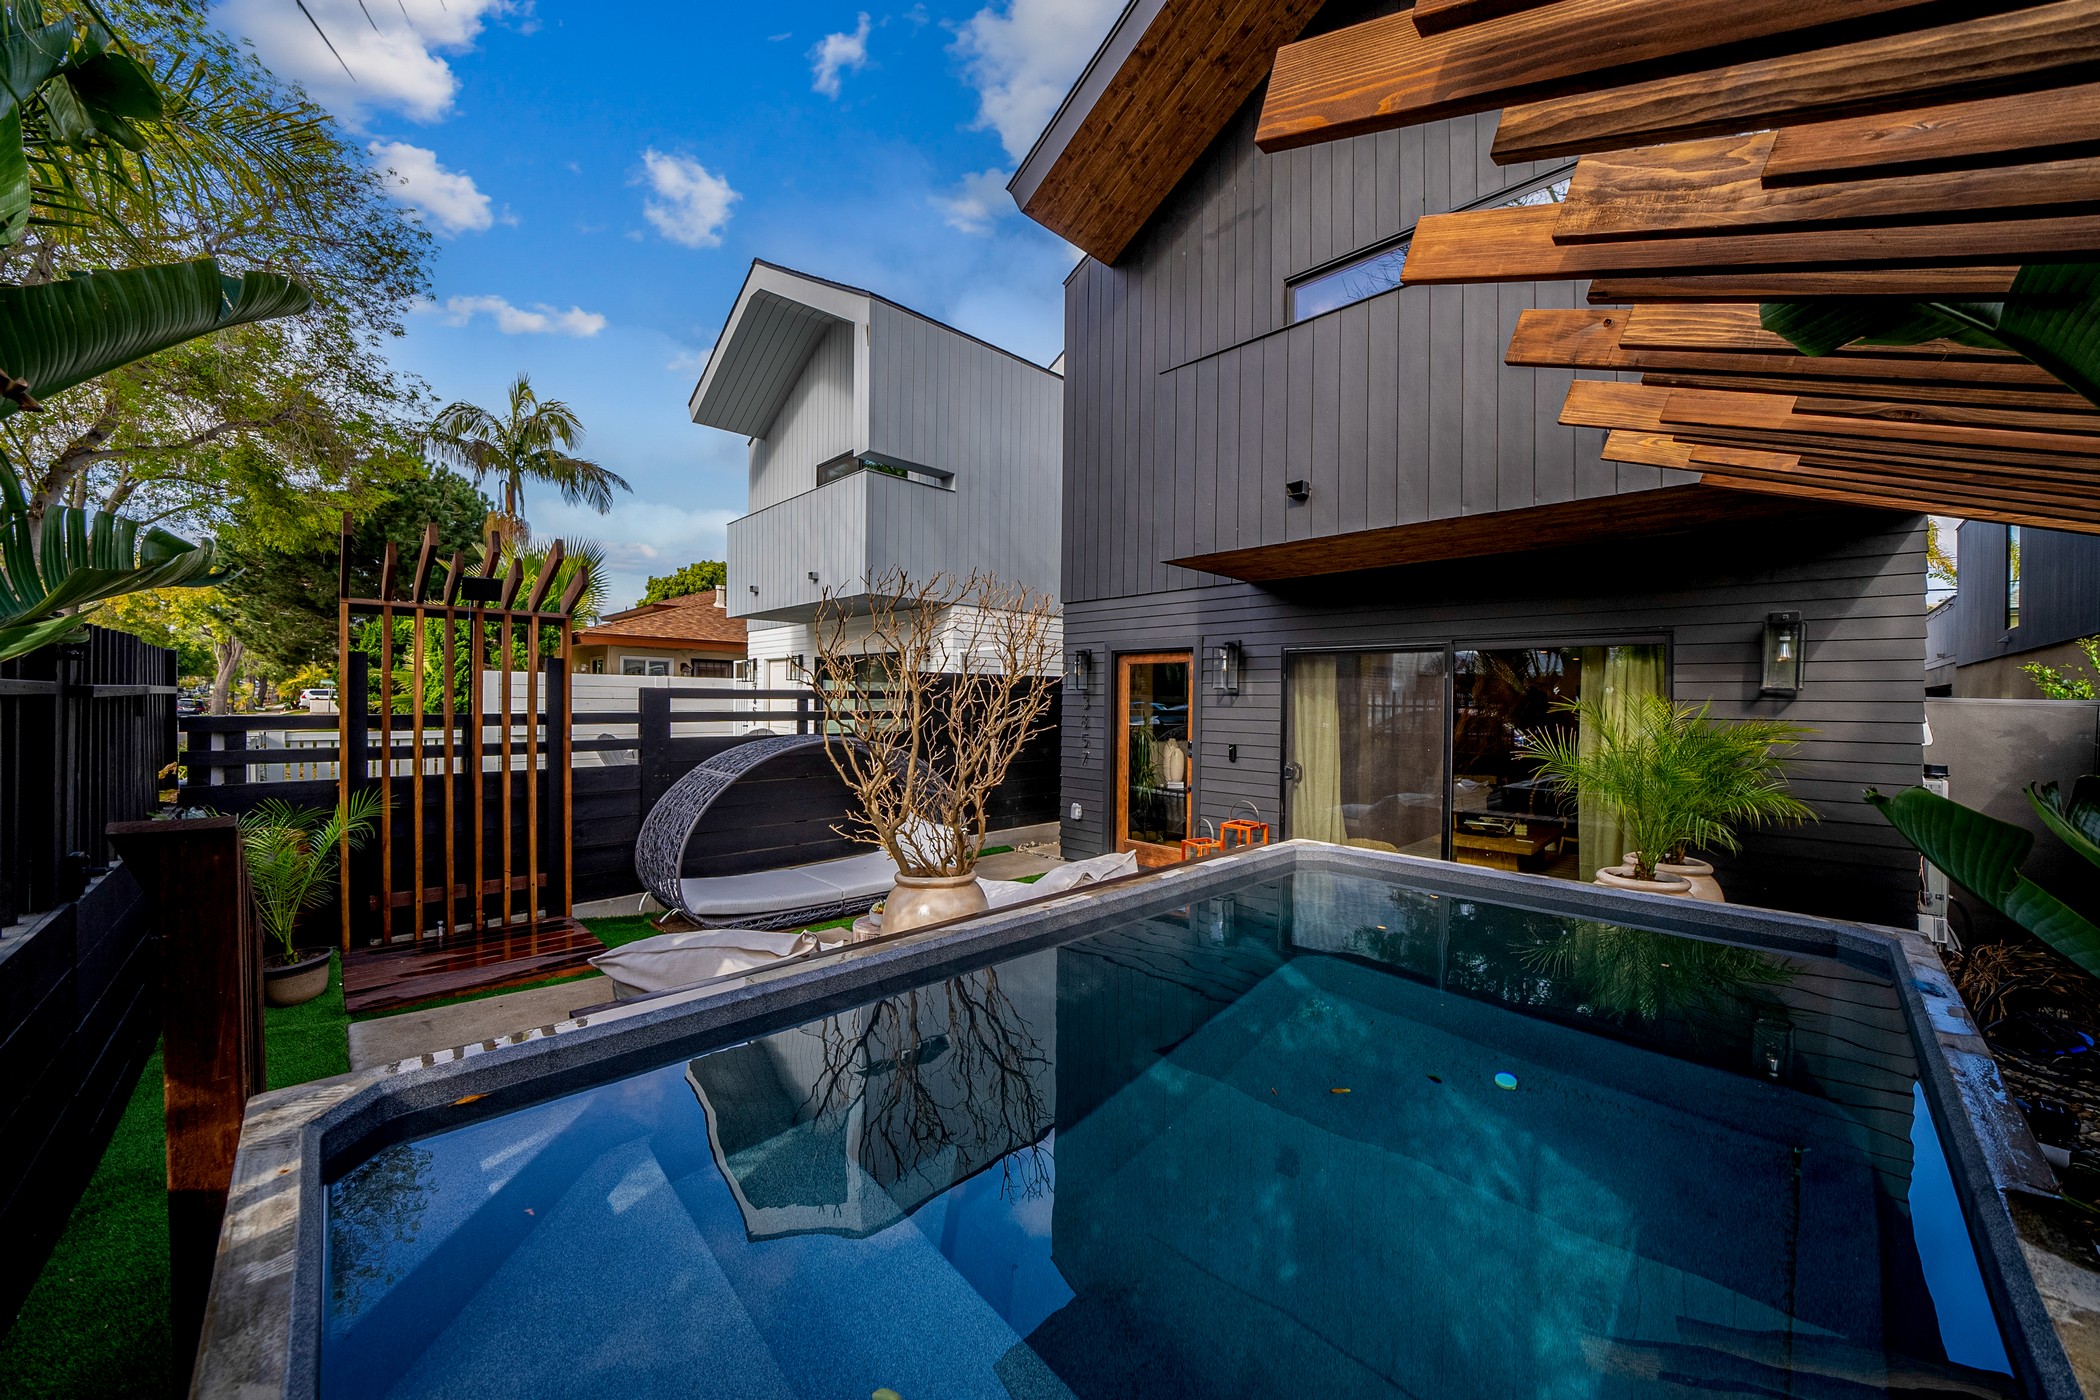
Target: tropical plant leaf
<point>2076,821</point>
<point>1984,855</point>
<point>16,197</point>
<point>58,334</point>
<point>2051,317</point>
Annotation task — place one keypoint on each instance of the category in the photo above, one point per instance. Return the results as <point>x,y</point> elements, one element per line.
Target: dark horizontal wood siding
<point>2059,591</point>
<point>1189,402</point>
<point>1857,578</point>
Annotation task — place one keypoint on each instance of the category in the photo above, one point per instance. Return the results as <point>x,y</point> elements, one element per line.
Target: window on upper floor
<point>847,464</point>
<point>1365,274</point>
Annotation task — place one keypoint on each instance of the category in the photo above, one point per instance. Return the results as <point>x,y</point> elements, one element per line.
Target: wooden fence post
<point>196,886</point>
<point>554,810</point>
<point>652,739</point>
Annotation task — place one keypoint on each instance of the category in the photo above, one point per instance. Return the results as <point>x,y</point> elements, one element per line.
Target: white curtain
<point>1316,747</point>
<point>1613,677</point>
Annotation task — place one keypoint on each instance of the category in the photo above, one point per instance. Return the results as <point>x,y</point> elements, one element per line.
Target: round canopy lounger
<point>762,899</point>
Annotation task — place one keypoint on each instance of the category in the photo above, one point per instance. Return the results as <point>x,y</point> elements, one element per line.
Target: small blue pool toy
<point>1505,1080</point>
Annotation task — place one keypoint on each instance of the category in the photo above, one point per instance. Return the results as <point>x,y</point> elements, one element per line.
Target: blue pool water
<point>1325,1136</point>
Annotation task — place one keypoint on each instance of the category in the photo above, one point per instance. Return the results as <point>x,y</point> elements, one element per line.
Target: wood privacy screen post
<point>451,864</point>
<point>196,886</point>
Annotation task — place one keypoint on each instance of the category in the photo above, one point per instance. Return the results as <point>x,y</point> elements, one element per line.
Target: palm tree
<point>529,442</point>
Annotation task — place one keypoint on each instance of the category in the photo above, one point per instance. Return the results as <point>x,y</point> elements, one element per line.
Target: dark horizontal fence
<point>85,730</point>
<point>782,814</point>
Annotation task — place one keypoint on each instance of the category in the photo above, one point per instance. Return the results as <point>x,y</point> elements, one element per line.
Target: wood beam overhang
<point>1977,283</point>
<point>1677,509</point>
<point>1169,95</point>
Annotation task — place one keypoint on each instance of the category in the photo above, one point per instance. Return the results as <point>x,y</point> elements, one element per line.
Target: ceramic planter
<point>1697,873</point>
<point>294,983</point>
<point>1620,877</point>
<point>916,900</point>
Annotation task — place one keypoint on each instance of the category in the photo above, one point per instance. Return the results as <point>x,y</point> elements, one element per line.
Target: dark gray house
<point>2026,596</point>
<point>1327,560</point>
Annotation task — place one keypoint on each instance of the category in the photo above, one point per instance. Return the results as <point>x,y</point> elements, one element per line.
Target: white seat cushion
<point>674,960</point>
<point>1000,893</point>
<point>796,887</point>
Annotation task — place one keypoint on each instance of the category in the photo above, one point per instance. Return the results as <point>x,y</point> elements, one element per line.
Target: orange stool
<point>1196,847</point>
<point>1250,833</point>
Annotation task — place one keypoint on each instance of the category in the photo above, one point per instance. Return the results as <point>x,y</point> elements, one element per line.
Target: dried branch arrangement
<point>942,681</point>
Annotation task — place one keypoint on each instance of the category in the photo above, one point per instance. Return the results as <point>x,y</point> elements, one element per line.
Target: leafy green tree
<point>693,578</point>
<point>293,419</point>
<point>282,598</point>
<point>2068,684</point>
<point>528,441</point>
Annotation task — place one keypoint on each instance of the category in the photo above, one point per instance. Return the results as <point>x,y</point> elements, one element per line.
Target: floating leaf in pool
<point>1436,1078</point>
<point>1337,1091</point>
<point>1505,1080</point>
<point>885,1393</point>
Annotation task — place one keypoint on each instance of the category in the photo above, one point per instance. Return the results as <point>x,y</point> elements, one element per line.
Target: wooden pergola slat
<point>1386,73</point>
<point>1739,328</point>
<point>1717,186</point>
<point>1886,74</point>
<point>2050,124</point>
<point>1919,391</point>
<point>1983,283</point>
<point>1436,16</point>
<point>1510,245</point>
<point>1887,498</point>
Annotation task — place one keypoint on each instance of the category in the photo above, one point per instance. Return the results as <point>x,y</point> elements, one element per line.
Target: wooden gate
<point>489,732</point>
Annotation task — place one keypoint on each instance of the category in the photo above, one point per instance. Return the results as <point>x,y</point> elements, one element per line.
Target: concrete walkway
<point>413,1033</point>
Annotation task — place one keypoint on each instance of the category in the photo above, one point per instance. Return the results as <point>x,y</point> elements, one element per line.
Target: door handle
<point>1292,773</point>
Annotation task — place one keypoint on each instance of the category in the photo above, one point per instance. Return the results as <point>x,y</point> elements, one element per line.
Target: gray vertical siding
<point>2059,591</point>
<point>1857,578</point>
<point>816,422</point>
<point>1192,402</point>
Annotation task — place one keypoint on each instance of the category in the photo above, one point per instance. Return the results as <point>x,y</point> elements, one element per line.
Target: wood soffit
<point>1667,510</point>
<point>1179,84</point>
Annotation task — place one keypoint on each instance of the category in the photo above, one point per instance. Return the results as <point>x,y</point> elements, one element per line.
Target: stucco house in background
<point>880,440</point>
<point>1327,559</point>
<point>690,635</point>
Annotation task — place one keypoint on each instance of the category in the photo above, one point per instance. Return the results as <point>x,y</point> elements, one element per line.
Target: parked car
<point>188,705</point>
<point>318,699</point>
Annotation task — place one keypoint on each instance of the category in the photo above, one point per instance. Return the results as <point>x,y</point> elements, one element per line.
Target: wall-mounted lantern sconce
<point>754,590</point>
<point>1079,677</point>
<point>1228,659</point>
<point>1785,641</point>
<point>812,575</point>
<point>1299,490</point>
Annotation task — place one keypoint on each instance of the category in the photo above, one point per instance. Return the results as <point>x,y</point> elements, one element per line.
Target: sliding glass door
<point>1427,752</point>
<point>1366,752</point>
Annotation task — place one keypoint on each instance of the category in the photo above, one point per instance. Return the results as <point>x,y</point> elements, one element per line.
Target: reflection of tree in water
<point>948,1067</point>
<point>1639,977</point>
<point>377,1206</point>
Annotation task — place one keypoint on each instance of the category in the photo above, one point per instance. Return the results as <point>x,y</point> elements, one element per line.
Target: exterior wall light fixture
<point>1079,675</point>
<point>1228,660</point>
<point>1299,490</point>
<point>1785,642</point>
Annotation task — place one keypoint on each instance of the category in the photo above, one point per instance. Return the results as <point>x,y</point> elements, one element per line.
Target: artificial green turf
<point>96,1321</point>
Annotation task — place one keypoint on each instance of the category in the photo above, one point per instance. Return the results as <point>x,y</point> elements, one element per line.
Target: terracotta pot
<point>1620,877</point>
<point>1697,873</point>
<point>917,900</point>
<point>293,983</point>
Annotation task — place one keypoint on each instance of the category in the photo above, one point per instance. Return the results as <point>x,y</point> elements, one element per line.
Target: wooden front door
<point>1155,754</point>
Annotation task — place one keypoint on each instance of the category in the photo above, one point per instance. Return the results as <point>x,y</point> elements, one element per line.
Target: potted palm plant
<point>1677,780</point>
<point>291,853</point>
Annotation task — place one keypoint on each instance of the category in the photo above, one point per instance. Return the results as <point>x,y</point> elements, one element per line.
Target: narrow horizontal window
<point>1367,274</point>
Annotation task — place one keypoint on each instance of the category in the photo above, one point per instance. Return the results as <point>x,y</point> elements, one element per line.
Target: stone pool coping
<point>258,1339</point>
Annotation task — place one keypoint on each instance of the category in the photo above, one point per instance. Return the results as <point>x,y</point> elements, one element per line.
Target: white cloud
<point>447,198</point>
<point>691,204</point>
<point>979,200</point>
<point>836,53</point>
<point>1022,58</point>
<point>539,319</point>
<point>395,55</point>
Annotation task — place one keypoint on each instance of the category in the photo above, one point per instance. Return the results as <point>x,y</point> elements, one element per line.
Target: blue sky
<point>599,179</point>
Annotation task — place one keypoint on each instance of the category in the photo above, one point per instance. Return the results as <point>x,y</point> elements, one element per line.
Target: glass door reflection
<point>1154,755</point>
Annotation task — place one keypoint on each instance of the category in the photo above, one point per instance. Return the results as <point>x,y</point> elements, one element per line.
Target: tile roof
<point>691,620</point>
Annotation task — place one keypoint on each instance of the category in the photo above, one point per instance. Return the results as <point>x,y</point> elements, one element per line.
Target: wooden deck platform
<point>375,979</point>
